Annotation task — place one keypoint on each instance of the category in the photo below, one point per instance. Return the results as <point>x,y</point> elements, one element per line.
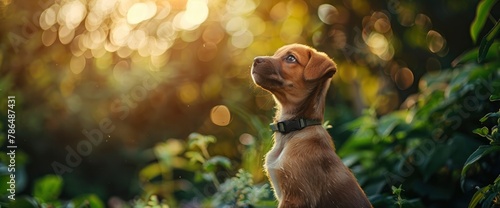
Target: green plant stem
<point>215,180</point>
<point>204,151</point>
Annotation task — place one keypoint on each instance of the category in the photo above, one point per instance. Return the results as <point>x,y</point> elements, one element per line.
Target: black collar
<point>288,126</point>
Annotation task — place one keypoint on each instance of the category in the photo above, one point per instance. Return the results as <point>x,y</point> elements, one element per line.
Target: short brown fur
<point>302,166</point>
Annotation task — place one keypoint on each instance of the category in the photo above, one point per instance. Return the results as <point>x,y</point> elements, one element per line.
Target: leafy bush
<point>424,146</point>
<point>488,196</point>
<point>46,193</point>
<point>239,191</point>
<point>194,157</point>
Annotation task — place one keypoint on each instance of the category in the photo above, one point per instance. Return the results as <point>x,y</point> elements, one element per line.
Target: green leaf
<point>194,157</point>
<point>495,98</point>
<point>489,199</point>
<point>436,160</point>
<point>474,157</point>
<point>388,122</point>
<point>472,55</point>
<point>481,131</point>
<point>212,163</point>
<point>90,200</point>
<point>487,41</point>
<point>200,141</point>
<point>489,115</point>
<point>151,171</point>
<point>27,202</point>
<point>48,188</point>
<point>478,196</point>
<point>482,12</point>
<point>396,190</point>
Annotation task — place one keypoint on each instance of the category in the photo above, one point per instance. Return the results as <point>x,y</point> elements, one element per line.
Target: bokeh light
<point>435,41</point>
<point>220,115</point>
<point>404,78</point>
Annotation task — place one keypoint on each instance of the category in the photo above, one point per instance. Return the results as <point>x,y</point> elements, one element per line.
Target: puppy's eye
<point>291,59</point>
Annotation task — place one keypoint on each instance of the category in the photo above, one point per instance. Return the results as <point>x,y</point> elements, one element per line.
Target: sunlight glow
<point>188,92</point>
<point>378,43</point>
<point>77,64</point>
<point>71,14</point>
<point>140,12</point>
<point>220,115</point>
<point>195,14</point>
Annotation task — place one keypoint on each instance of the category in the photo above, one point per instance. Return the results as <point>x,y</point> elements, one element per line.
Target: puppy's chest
<point>274,158</point>
<point>276,155</point>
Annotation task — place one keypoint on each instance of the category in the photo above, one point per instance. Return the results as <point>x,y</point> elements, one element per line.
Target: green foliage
<point>482,13</point>
<point>89,200</point>
<point>204,167</point>
<point>240,191</point>
<point>46,193</point>
<point>401,202</point>
<point>151,202</point>
<point>487,41</point>
<point>48,188</point>
<point>426,147</point>
<point>488,196</point>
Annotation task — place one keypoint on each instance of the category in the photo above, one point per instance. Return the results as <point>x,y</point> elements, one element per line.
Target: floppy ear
<point>319,66</point>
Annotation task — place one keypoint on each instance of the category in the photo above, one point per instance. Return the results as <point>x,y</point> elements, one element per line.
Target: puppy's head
<point>293,72</point>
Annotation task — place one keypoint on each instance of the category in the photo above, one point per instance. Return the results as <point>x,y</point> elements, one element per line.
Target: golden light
<point>120,33</point>
<point>220,115</point>
<point>66,34</point>
<point>246,139</point>
<point>196,13</point>
<point>291,30</point>
<point>382,25</point>
<point>348,73</point>
<point>435,41</point>
<point>67,86</point>
<point>77,64</point>
<point>49,36</point>
<point>378,43</point>
<point>120,71</point>
<point>213,34</point>
<point>242,40</point>
<point>236,26</point>
<point>279,12</point>
<point>137,39</point>
<point>48,18</point>
<point>327,13</point>
<point>71,14</point>
<point>139,12</point>
<point>188,92</point>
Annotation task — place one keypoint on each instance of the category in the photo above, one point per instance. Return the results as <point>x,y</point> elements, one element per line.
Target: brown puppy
<point>302,165</point>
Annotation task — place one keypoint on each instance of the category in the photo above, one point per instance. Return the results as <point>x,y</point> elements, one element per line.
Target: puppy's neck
<point>309,106</point>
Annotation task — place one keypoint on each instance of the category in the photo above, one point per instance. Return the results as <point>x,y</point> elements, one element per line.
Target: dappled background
<point>109,92</point>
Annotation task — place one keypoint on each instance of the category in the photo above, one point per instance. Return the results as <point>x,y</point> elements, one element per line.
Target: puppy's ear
<point>319,66</point>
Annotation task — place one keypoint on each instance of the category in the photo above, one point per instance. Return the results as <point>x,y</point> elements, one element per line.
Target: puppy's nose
<point>258,60</point>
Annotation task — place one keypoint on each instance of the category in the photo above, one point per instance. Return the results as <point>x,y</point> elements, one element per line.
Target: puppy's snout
<point>258,60</point>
